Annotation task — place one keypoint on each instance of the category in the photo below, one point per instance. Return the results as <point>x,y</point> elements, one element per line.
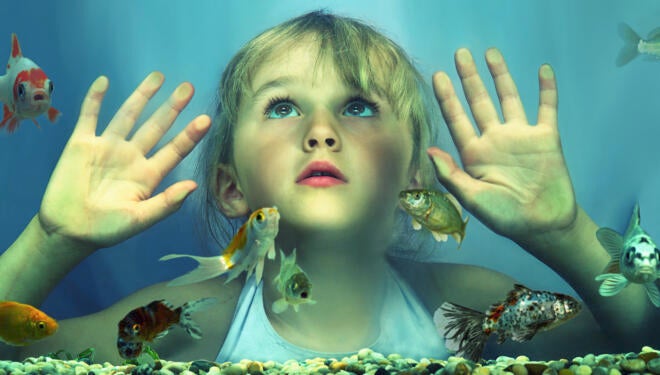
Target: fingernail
<point>546,72</point>
<point>179,198</point>
<point>463,56</point>
<point>184,90</point>
<point>493,55</point>
<point>155,78</point>
<point>100,84</point>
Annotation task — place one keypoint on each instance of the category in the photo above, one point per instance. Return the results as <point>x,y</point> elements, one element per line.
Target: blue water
<point>608,116</point>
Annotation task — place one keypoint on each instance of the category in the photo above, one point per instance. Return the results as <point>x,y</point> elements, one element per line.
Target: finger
<point>178,148</point>
<point>548,98</point>
<point>90,108</point>
<point>459,124</point>
<point>481,105</point>
<point>160,122</point>
<point>165,203</point>
<point>125,118</point>
<point>512,108</point>
<point>450,175</point>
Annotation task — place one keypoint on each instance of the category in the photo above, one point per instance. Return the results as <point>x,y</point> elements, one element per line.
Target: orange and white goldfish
<point>634,45</point>
<point>436,211</point>
<point>520,316</point>
<point>22,324</point>
<point>25,90</point>
<point>294,285</point>
<point>146,323</point>
<point>246,252</point>
<point>635,259</point>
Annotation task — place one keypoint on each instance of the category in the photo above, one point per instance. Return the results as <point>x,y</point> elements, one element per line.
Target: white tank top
<point>406,328</point>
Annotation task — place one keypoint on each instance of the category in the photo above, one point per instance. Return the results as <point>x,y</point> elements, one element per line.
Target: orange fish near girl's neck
<point>247,251</point>
<point>25,90</point>
<point>22,324</point>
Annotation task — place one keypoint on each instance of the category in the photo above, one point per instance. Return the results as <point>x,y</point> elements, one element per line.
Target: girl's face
<point>299,121</point>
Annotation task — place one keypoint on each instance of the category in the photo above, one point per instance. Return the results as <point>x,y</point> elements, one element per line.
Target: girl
<point>327,94</point>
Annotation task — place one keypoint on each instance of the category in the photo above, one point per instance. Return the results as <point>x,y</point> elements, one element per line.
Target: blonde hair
<point>364,58</point>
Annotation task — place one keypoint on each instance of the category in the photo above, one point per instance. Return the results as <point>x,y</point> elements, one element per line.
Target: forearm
<point>36,262</point>
<point>578,257</point>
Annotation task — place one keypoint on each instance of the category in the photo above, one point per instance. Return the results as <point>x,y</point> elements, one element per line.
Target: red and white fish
<point>153,321</point>
<point>635,259</point>
<point>25,90</point>
<point>22,324</point>
<point>520,316</point>
<point>247,251</point>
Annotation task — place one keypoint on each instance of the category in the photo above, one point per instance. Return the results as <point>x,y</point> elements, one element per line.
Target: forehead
<point>292,63</point>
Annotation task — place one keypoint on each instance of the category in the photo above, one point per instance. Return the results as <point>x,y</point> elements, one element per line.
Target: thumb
<point>449,174</point>
<point>167,202</point>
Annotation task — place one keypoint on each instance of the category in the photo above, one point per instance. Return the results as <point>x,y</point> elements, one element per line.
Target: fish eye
<point>303,295</point>
<point>136,328</point>
<point>41,325</point>
<point>51,87</point>
<point>630,254</point>
<point>260,216</point>
<point>20,90</point>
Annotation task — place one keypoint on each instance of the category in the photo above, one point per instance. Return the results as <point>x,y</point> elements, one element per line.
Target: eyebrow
<point>276,83</point>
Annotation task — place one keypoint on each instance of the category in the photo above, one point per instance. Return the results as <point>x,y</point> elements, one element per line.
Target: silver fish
<point>635,259</point>
<point>634,45</point>
<point>293,284</point>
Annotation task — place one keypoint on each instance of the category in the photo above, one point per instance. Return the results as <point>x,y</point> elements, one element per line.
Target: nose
<point>322,133</point>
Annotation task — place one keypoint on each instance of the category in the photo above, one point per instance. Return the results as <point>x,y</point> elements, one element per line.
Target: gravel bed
<point>366,362</point>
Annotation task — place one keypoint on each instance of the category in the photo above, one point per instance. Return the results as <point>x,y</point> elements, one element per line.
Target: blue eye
<point>281,108</point>
<point>360,107</point>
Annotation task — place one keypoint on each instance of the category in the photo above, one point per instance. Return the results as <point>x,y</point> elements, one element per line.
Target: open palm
<point>515,178</point>
<point>100,192</point>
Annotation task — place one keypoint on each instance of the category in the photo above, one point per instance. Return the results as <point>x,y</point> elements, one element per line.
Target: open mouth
<point>321,174</point>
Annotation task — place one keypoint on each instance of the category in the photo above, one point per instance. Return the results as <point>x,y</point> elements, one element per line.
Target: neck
<point>347,276</point>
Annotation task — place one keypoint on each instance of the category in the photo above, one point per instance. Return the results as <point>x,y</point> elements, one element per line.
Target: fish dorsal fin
<point>611,241</point>
<point>654,34</point>
<point>454,202</point>
<point>238,241</point>
<point>633,224</point>
<point>16,52</point>
<point>514,294</point>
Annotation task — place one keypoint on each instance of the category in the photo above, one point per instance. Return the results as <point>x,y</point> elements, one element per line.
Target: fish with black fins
<point>635,259</point>
<point>634,45</point>
<point>520,316</point>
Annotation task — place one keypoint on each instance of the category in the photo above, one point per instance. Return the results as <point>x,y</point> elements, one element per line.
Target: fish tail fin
<point>613,283</point>
<point>630,41</point>
<point>653,293</point>
<point>462,329</point>
<point>209,267</point>
<point>460,235</point>
<point>189,307</point>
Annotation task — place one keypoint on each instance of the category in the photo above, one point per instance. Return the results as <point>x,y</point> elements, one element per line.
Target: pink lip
<point>333,177</point>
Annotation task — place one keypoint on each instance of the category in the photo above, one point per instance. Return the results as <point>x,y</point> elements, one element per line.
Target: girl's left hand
<point>515,178</point>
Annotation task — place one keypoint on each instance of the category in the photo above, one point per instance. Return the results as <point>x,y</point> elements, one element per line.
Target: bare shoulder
<point>469,285</point>
<point>99,330</point>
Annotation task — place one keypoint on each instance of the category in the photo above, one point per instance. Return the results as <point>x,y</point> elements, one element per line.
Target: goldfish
<point>634,45</point>
<point>146,323</point>
<point>247,251</point>
<point>25,90</point>
<point>520,316</point>
<point>438,212</point>
<point>635,259</point>
<point>21,324</point>
<point>294,285</point>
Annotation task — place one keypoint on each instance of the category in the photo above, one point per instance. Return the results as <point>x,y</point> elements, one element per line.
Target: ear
<point>228,194</point>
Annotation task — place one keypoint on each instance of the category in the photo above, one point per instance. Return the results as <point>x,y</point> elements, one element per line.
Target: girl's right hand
<point>100,192</point>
